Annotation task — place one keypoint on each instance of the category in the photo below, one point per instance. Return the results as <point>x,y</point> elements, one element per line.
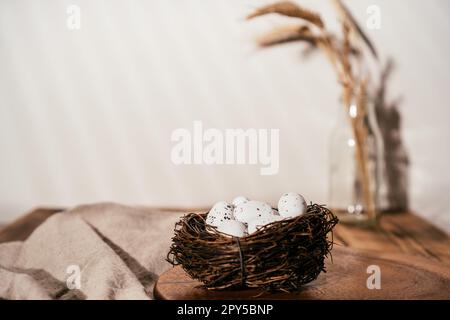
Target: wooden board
<point>402,277</point>
<point>403,233</point>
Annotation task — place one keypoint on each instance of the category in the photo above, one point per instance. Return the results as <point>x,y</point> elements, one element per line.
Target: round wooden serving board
<point>402,277</point>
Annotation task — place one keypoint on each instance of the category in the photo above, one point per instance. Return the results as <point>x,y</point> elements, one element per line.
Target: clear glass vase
<point>355,184</point>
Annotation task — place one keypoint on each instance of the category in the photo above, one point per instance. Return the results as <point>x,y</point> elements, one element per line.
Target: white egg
<point>291,205</point>
<point>240,199</point>
<point>222,211</point>
<point>233,228</point>
<point>256,224</point>
<point>251,210</point>
<point>275,212</point>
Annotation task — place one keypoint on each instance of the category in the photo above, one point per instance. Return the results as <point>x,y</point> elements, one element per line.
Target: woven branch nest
<point>281,256</point>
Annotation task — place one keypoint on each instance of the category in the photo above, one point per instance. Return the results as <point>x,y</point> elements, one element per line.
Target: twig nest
<point>282,255</point>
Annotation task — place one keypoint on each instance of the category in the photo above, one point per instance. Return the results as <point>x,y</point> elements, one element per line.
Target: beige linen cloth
<point>119,252</point>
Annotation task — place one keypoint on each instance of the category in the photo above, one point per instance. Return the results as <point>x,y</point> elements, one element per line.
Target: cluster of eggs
<point>243,217</point>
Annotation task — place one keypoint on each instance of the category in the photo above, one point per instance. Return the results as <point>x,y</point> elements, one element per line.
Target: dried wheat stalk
<point>287,34</point>
<point>339,52</point>
<point>348,18</point>
<point>289,9</point>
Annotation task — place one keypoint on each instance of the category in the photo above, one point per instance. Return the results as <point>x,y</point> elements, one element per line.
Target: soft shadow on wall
<point>396,159</point>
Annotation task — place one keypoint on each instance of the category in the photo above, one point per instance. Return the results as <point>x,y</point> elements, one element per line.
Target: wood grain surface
<point>402,277</point>
<point>402,233</point>
<point>414,255</point>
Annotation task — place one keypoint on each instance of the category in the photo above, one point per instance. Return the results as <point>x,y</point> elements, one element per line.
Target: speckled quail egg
<point>233,228</point>
<point>251,210</point>
<point>222,211</point>
<point>238,200</point>
<point>291,205</point>
<point>256,224</point>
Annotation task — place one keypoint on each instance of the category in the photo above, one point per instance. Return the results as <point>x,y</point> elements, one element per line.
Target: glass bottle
<point>347,198</point>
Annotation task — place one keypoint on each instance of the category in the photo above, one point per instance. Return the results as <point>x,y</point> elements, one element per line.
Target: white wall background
<point>87,115</point>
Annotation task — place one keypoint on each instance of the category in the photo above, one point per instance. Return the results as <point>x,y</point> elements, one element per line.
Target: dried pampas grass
<point>348,19</point>
<point>343,53</point>
<point>290,9</point>
<point>287,34</point>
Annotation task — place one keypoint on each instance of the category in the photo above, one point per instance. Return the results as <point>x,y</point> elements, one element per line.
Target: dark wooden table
<point>404,237</point>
